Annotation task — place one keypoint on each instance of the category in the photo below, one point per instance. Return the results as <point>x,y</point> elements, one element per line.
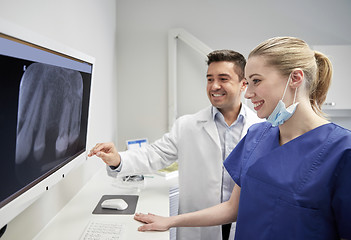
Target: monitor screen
<point>44,99</point>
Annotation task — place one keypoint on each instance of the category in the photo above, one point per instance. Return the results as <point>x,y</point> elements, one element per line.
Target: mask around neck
<point>281,114</point>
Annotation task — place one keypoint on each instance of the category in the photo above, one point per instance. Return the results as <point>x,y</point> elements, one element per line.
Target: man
<point>200,142</point>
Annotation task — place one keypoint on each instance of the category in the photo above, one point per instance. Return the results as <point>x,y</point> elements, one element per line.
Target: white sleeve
<point>113,171</point>
<point>150,158</point>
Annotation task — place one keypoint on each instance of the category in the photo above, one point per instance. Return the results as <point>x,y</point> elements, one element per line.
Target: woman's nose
<point>248,94</point>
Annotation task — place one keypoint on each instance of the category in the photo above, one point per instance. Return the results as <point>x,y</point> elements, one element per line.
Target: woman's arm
<point>223,213</point>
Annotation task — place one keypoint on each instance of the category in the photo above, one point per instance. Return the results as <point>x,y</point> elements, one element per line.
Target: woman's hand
<point>152,222</point>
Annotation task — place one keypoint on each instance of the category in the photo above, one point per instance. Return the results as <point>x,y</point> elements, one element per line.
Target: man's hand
<point>107,152</point>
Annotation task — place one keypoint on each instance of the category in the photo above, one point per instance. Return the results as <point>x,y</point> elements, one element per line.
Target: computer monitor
<point>44,99</point>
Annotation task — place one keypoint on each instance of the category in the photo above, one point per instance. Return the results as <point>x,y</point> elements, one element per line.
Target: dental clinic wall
<point>88,26</point>
<point>142,28</point>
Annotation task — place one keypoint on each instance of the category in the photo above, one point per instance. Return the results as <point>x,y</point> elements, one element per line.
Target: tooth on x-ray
<point>49,113</point>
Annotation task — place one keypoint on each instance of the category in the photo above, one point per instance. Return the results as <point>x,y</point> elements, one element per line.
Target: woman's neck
<point>303,120</point>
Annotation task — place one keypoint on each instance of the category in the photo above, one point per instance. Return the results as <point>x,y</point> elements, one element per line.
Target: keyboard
<point>102,230</point>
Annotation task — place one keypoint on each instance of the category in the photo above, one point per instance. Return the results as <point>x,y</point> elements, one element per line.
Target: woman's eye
<point>255,81</point>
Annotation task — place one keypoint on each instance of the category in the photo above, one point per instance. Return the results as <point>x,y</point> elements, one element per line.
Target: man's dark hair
<point>229,56</point>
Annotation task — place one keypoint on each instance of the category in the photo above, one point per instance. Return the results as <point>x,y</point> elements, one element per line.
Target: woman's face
<point>265,85</point>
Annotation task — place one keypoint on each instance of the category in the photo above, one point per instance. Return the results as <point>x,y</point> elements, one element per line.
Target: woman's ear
<point>297,78</point>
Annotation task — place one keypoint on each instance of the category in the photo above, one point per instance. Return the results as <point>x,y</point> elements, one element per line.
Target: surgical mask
<point>281,114</point>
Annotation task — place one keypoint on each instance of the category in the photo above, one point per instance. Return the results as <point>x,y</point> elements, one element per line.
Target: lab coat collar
<point>205,119</point>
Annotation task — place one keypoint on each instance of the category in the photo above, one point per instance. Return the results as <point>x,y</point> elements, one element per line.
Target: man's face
<point>223,86</point>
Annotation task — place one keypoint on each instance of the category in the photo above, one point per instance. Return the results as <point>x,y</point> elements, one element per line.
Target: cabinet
<point>339,94</point>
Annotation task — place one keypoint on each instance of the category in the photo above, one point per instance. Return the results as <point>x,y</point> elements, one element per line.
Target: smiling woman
<point>300,188</point>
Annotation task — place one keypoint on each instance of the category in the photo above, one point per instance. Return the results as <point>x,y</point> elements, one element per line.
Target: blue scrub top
<point>300,190</point>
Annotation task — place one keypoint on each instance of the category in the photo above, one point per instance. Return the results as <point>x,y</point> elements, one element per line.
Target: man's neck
<point>230,115</point>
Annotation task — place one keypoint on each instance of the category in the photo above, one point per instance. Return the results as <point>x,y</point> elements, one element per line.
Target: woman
<point>293,172</point>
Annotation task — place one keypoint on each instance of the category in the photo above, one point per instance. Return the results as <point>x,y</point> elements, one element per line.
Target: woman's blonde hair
<point>289,53</point>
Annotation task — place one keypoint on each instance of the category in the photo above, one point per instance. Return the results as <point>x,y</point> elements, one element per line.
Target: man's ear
<point>297,78</point>
<point>243,85</point>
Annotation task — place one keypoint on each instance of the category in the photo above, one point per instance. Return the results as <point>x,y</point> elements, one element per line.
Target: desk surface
<point>72,220</point>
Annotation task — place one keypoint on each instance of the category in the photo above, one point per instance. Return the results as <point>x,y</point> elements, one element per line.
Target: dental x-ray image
<point>49,118</point>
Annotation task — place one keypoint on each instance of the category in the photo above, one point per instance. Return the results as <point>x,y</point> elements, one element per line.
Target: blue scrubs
<point>300,190</point>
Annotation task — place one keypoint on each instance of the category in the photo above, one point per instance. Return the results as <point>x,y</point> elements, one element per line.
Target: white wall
<point>88,26</point>
<point>239,25</point>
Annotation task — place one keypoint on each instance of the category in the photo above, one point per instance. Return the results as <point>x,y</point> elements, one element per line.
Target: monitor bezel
<point>15,206</point>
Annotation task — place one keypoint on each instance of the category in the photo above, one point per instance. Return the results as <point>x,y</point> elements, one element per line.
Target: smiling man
<point>200,143</point>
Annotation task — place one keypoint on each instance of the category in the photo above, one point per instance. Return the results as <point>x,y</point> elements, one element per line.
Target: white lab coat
<point>194,142</point>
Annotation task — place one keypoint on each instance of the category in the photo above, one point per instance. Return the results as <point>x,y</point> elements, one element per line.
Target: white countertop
<point>72,220</point>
